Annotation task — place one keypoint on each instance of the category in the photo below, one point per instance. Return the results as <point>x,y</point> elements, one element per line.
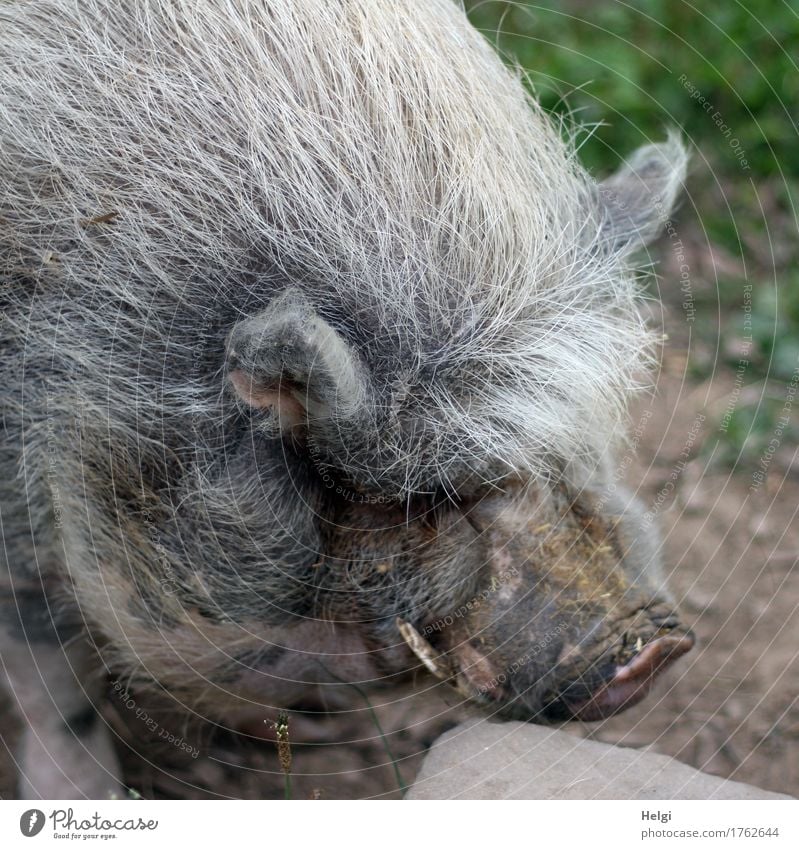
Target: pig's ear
<point>290,363</point>
<point>638,199</point>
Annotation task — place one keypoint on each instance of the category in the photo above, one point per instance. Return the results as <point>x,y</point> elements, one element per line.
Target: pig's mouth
<point>609,685</point>
<point>627,684</point>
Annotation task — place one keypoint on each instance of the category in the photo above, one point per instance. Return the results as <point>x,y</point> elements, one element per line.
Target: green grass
<point>620,65</point>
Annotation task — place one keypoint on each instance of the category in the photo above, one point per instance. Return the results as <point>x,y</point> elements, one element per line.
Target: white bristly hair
<point>379,154</point>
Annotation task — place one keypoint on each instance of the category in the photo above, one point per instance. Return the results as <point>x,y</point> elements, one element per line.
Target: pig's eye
<point>424,508</point>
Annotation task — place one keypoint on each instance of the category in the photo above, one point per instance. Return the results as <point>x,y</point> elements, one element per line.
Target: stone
<point>479,759</point>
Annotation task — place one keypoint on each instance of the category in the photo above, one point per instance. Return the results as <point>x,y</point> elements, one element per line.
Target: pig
<point>318,343</point>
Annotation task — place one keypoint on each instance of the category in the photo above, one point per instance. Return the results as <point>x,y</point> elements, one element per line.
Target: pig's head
<point>454,447</point>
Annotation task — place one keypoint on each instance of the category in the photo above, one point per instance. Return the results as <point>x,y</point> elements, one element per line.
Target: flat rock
<point>515,760</point>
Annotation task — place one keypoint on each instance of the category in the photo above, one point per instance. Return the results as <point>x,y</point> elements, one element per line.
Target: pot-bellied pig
<point>317,342</point>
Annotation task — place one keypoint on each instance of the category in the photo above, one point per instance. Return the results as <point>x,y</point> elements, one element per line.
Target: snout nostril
<point>666,623</point>
<point>655,656</point>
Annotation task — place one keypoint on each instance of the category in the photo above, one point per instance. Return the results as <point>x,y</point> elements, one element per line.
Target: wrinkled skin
<point>560,614</point>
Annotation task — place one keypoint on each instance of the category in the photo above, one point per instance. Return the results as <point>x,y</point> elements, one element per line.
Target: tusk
<point>423,650</point>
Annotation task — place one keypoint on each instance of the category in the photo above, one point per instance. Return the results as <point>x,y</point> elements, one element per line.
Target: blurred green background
<point>726,75</point>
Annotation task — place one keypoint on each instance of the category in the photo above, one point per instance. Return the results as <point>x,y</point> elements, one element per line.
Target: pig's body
<point>289,291</point>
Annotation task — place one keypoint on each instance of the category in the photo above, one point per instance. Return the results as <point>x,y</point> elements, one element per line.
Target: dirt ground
<point>729,708</point>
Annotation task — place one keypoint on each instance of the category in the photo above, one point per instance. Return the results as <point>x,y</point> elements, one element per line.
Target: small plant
<point>284,751</point>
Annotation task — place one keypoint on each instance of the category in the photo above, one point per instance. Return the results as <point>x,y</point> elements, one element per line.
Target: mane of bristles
<point>376,152</point>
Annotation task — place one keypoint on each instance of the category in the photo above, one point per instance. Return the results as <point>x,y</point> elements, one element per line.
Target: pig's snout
<point>570,620</point>
<point>629,683</point>
<point>542,686</point>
